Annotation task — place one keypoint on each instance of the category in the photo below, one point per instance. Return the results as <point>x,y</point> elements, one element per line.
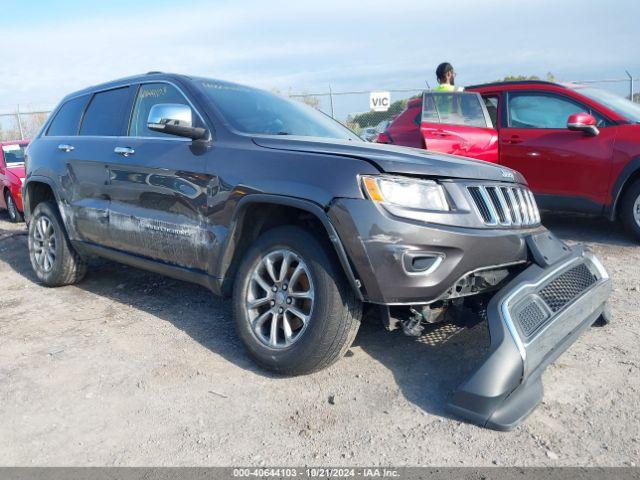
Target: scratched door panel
<point>85,182</point>
<point>158,202</point>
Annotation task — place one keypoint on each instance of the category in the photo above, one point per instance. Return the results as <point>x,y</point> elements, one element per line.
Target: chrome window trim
<point>91,93</point>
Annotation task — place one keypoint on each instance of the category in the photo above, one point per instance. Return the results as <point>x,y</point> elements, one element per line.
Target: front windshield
<point>13,154</point>
<point>620,105</point>
<point>252,111</point>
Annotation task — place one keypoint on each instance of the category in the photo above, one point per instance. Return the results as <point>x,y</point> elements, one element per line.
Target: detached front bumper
<point>532,320</point>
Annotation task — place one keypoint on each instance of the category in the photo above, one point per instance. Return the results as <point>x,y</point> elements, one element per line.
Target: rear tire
<point>53,258</point>
<point>14,214</point>
<point>319,292</point>
<point>630,210</point>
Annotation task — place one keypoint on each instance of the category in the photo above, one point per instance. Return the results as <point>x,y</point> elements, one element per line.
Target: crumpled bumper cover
<point>532,320</point>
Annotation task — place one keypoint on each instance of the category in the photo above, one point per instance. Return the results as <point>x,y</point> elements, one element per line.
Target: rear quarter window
<point>107,113</point>
<point>66,121</point>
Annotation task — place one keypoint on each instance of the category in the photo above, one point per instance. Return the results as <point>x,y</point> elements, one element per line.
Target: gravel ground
<point>131,368</point>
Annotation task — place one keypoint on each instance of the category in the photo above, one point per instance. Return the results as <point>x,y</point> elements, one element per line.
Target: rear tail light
<point>383,137</point>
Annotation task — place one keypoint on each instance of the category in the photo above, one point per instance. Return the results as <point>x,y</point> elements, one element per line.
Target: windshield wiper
<point>283,133</point>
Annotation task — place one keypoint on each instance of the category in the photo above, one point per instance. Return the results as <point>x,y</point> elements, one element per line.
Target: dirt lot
<point>130,368</point>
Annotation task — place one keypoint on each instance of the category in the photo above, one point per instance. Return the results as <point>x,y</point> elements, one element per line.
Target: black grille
<point>531,317</point>
<point>480,203</point>
<point>567,286</point>
<point>493,195</point>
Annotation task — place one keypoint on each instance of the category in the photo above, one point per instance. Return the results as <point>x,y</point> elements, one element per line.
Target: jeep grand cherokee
<point>304,225</point>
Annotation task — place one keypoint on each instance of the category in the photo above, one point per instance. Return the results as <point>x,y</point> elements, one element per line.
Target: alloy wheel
<point>636,210</point>
<point>279,298</point>
<point>44,244</point>
<point>11,208</point>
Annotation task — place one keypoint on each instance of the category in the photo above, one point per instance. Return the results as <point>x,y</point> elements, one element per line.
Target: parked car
<point>11,177</point>
<point>578,147</point>
<point>236,189</point>
<point>369,134</point>
<point>405,128</point>
<point>382,126</point>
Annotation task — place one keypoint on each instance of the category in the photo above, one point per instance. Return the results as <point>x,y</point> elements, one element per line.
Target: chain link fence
<point>627,87</point>
<point>22,121</point>
<point>352,108</point>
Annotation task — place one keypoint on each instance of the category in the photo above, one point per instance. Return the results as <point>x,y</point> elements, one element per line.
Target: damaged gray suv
<point>277,205</point>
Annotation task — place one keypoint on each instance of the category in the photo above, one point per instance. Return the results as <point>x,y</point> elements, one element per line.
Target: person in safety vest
<point>446,78</point>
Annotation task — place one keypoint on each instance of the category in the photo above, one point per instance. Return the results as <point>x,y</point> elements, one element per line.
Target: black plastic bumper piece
<point>532,320</point>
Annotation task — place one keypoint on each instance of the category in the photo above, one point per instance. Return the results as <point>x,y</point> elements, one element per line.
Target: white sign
<point>379,101</point>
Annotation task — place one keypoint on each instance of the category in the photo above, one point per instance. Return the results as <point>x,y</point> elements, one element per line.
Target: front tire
<point>293,308</point>
<point>53,258</point>
<point>14,214</point>
<point>630,210</point>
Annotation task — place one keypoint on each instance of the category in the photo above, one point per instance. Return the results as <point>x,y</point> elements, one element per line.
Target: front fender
<point>621,182</point>
<point>237,224</point>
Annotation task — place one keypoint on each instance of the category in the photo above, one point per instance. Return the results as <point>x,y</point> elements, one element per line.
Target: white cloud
<point>307,45</point>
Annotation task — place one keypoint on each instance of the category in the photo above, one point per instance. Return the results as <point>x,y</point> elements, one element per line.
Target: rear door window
<point>106,115</point>
<point>151,94</point>
<point>455,108</point>
<point>67,120</point>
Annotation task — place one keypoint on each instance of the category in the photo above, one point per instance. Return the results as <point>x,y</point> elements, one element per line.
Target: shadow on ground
<point>584,228</point>
<point>426,369</point>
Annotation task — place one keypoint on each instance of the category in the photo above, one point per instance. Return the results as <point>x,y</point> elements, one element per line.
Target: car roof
<point>145,77</point>
<point>542,85</point>
<point>516,85</point>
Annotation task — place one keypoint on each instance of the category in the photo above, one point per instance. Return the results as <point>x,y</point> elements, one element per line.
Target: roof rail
<point>515,82</point>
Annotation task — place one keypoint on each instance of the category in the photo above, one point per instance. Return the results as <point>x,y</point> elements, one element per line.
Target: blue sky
<point>51,48</point>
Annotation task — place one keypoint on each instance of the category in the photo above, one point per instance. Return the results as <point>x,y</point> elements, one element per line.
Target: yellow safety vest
<point>445,87</point>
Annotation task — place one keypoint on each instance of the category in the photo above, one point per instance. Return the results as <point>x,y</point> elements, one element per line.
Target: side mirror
<point>583,122</point>
<point>174,119</point>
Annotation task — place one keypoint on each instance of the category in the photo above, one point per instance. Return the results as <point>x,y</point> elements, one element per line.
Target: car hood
<point>17,170</point>
<point>395,159</point>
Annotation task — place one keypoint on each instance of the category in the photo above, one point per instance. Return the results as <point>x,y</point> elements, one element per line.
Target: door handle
<point>514,139</point>
<point>63,147</point>
<point>441,133</point>
<point>124,151</point>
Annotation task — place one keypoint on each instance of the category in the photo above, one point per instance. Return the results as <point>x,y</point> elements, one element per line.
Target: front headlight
<point>406,192</point>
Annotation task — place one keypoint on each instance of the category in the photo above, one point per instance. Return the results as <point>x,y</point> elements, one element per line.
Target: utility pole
<point>19,123</point>
<point>630,85</point>
<point>331,101</point>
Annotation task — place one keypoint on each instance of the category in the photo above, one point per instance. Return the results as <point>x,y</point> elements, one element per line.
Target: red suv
<point>578,147</point>
<point>12,177</point>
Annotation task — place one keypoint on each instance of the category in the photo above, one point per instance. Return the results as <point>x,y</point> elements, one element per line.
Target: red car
<point>11,177</point>
<point>578,147</point>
